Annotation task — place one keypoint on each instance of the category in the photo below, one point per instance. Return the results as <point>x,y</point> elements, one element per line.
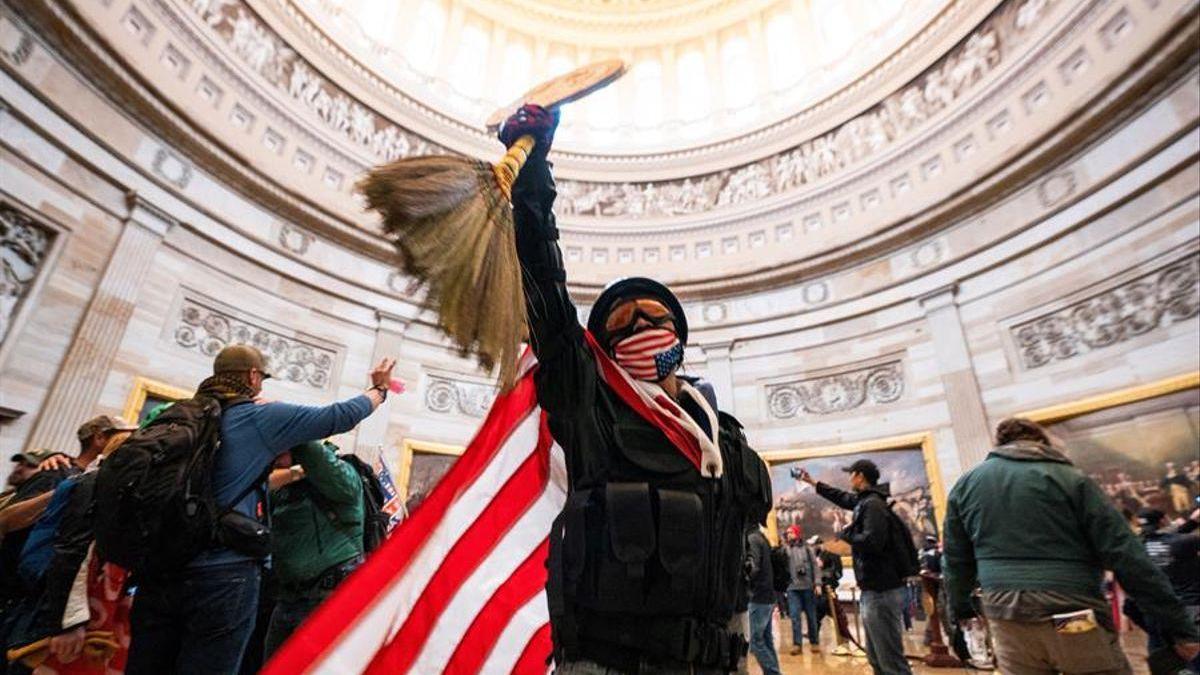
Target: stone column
<point>968,419</point>
<point>72,398</point>
<point>373,431</point>
<point>720,373</point>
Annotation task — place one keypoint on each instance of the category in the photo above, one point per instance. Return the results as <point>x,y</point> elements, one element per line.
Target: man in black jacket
<point>762,602</point>
<point>646,559</point>
<point>875,570</point>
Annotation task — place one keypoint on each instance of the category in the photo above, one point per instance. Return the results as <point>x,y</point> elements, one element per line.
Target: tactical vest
<point>647,557</point>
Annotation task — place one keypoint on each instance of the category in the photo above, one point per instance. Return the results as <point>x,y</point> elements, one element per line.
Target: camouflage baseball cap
<point>103,424</point>
<point>35,457</point>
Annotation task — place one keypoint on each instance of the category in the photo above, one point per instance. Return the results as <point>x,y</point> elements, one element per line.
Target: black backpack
<point>375,521</point>
<point>781,569</point>
<point>903,550</point>
<point>154,502</point>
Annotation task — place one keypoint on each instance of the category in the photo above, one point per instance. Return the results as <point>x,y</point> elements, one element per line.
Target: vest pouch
<point>621,572</point>
<point>681,547</point>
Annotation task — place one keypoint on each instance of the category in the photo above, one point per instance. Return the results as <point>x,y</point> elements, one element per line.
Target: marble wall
<point>1067,273</point>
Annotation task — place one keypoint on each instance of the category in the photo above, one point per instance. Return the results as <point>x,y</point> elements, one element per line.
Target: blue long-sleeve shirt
<point>253,435</point>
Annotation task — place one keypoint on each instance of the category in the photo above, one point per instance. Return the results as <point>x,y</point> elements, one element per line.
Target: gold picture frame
<point>923,440</point>
<point>144,388</point>
<point>409,449</point>
<point>1090,404</point>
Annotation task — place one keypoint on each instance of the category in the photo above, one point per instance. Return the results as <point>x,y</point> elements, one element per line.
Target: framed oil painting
<point>147,395</point>
<point>422,465</point>
<point>1142,445</point>
<point>907,464</point>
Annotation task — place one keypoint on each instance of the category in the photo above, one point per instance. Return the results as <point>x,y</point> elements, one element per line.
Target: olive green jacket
<point>1027,520</point>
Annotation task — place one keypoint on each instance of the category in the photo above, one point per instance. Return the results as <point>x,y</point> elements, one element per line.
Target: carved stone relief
<point>444,395</point>
<point>23,247</point>
<point>172,168</point>
<point>1157,299</point>
<point>207,330</point>
<point>266,53</point>
<point>839,392</point>
<point>868,134</point>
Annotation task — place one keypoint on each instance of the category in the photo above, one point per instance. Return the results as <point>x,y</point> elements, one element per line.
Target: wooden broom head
<point>454,230</point>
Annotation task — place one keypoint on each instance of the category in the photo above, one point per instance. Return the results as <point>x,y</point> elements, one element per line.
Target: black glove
<point>531,120</point>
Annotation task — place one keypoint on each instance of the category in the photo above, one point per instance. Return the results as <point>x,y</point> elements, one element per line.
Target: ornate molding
<point>203,328</point>
<point>262,50</point>
<point>1165,296</point>
<point>838,392</point>
<point>24,245</point>
<point>444,395</point>
<point>864,136</point>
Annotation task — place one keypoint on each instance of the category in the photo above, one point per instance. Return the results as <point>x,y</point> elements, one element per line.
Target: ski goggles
<point>622,320</point>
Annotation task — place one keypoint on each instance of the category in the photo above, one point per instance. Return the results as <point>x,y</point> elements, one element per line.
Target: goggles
<point>622,320</point>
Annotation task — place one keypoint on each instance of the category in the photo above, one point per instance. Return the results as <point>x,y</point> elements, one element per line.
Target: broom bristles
<point>454,232</point>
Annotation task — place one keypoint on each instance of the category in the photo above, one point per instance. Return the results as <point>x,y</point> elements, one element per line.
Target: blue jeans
<point>803,600</point>
<point>762,644</point>
<point>195,623</point>
<point>882,616</point>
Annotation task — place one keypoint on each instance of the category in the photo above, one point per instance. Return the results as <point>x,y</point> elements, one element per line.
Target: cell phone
<point>797,472</point>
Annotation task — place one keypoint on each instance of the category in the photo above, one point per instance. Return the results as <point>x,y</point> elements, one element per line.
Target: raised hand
<point>381,374</point>
<point>531,120</point>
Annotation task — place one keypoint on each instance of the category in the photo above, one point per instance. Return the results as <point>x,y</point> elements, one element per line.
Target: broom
<point>451,221</point>
<point>452,224</point>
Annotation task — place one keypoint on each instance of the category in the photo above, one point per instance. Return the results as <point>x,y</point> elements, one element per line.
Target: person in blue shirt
<point>200,620</point>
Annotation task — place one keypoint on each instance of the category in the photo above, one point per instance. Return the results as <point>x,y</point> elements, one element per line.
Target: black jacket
<point>831,568</point>
<point>620,584</point>
<point>762,588</point>
<point>868,535</point>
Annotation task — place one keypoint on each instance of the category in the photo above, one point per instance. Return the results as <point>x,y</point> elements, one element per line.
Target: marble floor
<point>825,663</point>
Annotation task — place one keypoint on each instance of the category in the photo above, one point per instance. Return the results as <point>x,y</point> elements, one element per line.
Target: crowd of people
<point>199,540</point>
<point>289,520</point>
<point>1029,541</point>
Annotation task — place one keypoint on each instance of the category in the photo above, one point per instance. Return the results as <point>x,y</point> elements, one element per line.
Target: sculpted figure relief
<point>817,159</point>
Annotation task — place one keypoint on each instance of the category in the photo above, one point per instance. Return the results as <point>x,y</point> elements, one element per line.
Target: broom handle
<point>510,164</point>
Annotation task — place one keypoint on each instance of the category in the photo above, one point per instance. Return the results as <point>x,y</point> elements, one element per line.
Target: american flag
<point>392,504</point>
<point>459,586</point>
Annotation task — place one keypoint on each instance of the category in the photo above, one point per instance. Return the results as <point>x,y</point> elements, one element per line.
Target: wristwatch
<point>383,391</point>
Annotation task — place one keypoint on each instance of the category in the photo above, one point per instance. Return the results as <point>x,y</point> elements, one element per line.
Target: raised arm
<point>336,480</point>
<point>552,316</point>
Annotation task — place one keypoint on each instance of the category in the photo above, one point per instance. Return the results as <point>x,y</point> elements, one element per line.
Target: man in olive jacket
<point>1037,534</point>
<point>317,535</point>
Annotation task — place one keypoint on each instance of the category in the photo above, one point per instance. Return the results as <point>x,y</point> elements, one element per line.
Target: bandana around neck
<point>649,355</point>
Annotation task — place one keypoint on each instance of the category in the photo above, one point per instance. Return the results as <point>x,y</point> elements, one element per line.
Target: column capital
<point>938,298</point>
<point>148,215</point>
<point>719,350</point>
<point>391,322</point>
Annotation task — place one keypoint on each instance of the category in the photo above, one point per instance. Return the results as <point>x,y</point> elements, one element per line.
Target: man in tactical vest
<point>646,559</point>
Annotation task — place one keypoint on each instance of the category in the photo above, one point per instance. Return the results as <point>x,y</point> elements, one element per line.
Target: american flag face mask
<point>650,354</point>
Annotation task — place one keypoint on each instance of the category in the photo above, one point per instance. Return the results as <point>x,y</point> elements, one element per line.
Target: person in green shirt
<point>1036,535</point>
<point>317,534</point>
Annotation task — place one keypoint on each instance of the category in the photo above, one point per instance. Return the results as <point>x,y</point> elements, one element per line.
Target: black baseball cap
<point>866,467</point>
<point>1149,517</point>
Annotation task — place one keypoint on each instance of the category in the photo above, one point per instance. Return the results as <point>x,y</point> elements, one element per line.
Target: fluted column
<point>968,419</point>
<point>72,399</point>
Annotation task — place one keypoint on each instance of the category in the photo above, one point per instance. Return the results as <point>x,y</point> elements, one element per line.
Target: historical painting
<point>903,469</point>
<point>1144,453</point>
<point>424,464</point>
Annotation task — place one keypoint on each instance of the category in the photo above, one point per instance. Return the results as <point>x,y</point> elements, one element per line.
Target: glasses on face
<point>623,319</point>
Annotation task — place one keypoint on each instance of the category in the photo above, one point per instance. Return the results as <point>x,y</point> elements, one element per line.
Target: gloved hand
<point>532,120</point>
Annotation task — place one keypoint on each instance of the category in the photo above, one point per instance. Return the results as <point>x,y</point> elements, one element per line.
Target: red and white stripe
<point>459,586</point>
